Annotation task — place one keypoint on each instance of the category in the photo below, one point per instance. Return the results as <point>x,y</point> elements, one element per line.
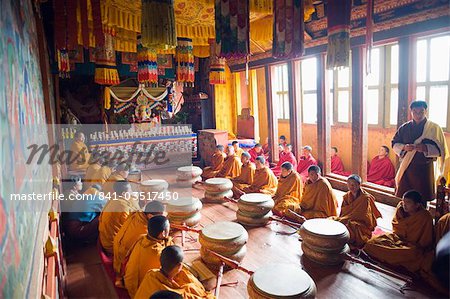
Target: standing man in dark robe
<point>418,143</point>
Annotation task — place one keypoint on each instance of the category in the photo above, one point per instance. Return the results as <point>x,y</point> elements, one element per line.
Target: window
<point>340,94</point>
<point>280,90</point>
<point>433,77</point>
<point>308,70</point>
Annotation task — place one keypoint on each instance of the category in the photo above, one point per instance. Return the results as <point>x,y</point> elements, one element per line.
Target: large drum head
<point>282,281</point>
<point>223,231</point>
<point>255,198</point>
<point>155,184</point>
<point>184,204</point>
<point>188,172</point>
<point>325,227</point>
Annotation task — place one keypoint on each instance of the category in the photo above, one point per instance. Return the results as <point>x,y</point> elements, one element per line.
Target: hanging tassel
<point>63,64</point>
<point>147,66</point>
<point>185,62</point>
<point>107,99</point>
<point>338,49</point>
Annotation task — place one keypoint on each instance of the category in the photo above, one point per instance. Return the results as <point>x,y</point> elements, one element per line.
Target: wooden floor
<point>275,243</point>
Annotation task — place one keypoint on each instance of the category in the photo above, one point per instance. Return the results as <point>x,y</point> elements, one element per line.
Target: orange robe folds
<point>144,256</point>
<point>284,157</point>
<point>359,215</point>
<point>231,167</point>
<point>108,186</point>
<point>303,165</point>
<point>264,182</point>
<point>216,165</point>
<point>407,245</point>
<point>113,216</point>
<point>184,283</point>
<point>80,155</point>
<point>442,227</point>
<point>96,174</point>
<point>246,177</point>
<point>318,200</point>
<point>288,193</point>
<point>381,172</point>
<point>337,166</point>
<point>133,228</point>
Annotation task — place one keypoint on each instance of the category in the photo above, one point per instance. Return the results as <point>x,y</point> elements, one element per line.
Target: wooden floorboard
<point>275,243</point>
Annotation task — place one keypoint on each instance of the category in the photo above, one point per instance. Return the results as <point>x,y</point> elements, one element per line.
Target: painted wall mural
<point>22,122</point>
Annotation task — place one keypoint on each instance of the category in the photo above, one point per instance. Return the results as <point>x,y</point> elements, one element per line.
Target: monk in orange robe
<point>231,166</point>
<point>264,182</point>
<point>146,252</point>
<point>172,276</point>
<point>412,235</point>
<point>289,190</point>
<point>337,166</point>
<point>115,213</point>
<point>79,153</point>
<point>381,170</point>
<point>305,161</point>
<point>286,155</point>
<point>216,163</point>
<point>133,228</point>
<point>97,173</point>
<point>318,199</point>
<point>358,212</point>
<point>442,227</point>
<point>120,174</point>
<point>245,179</point>
<point>236,148</point>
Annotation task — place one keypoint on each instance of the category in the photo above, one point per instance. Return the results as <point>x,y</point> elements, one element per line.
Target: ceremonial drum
<point>325,241</point>
<point>151,187</point>
<point>188,175</point>
<point>254,209</point>
<point>134,177</point>
<point>225,238</point>
<point>217,188</point>
<point>280,281</point>
<point>185,210</point>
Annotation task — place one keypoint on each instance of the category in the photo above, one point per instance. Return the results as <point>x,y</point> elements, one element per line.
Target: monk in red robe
<point>381,170</point>
<point>337,166</point>
<point>285,156</point>
<point>257,151</point>
<point>305,161</point>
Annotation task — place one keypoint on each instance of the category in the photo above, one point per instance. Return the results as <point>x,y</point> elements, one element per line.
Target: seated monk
<point>146,252</point>
<point>264,182</point>
<point>81,220</point>
<point>286,155</point>
<point>257,151</point>
<point>358,212</point>
<point>442,227</point>
<point>411,238</point>
<point>381,170</point>
<point>79,154</point>
<point>172,276</point>
<point>289,190</point>
<point>337,166</point>
<point>120,174</point>
<point>97,173</point>
<point>305,161</point>
<point>216,163</point>
<point>237,149</point>
<point>130,232</point>
<point>246,177</point>
<point>115,213</point>
<point>318,199</point>
<point>282,140</point>
<point>231,166</point>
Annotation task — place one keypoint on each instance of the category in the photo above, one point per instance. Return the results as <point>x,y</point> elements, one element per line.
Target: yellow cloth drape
<point>225,104</point>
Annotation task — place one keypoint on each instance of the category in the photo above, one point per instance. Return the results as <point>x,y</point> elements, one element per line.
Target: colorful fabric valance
<point>338,50</point>
<point>105,63</point>
<point>147,66</point>
<point>288,28</point>
<point>185,61</point>
<point>217,66</point>
<point>232,28</point>
<point>158,28</point>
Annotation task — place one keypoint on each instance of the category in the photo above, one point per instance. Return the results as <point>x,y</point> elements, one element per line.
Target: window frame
<point>428,83</point>
<point>298,68</point>
<point>283,94</point>
<point>335,96</point>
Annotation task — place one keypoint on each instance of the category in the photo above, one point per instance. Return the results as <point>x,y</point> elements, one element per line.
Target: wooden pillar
<point>359,114</point>
<point>406,75</point>
<point>272,118</point>
<point>295,125</point>
<point>323,116</point>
